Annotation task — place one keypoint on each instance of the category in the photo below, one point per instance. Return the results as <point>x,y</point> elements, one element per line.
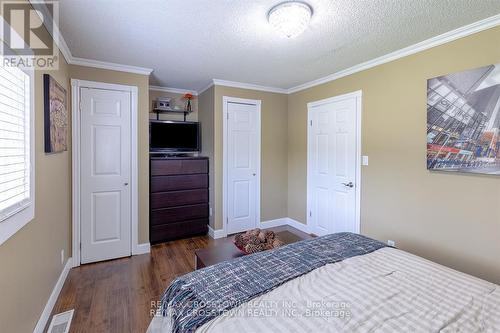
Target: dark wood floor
<point>121,295</point>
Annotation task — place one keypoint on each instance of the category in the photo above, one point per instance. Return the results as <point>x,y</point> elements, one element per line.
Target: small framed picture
<point>55,115</point>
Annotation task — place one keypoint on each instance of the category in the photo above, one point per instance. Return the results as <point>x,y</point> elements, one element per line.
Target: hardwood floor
<point>120,295</point>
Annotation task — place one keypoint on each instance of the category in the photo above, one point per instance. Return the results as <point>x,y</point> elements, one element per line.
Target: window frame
<point>17,220</point>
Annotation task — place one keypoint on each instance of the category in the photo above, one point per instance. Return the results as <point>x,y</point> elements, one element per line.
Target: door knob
<point>350,184</point>
<point>254,174</point>
<point>126,184</point>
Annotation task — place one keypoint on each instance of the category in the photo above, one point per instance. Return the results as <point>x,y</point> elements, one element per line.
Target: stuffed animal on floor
<point>257,240</point>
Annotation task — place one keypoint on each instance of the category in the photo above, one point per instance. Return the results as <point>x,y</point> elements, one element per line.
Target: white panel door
<point>332,163</point>
<point>105,170</point>
<point>242,167</point>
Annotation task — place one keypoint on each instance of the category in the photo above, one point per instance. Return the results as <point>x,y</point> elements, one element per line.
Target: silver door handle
<point>350,184</point>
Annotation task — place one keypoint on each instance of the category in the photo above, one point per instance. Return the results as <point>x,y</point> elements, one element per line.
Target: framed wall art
<point>55,115</point>
<point>463,121</point>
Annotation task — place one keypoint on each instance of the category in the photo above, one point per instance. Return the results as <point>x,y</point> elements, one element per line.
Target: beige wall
<point>274,146</point>
<point>177,100</point>
<point>450,218</point>
<point>142,82</point>
<point>453,219</point>
<point>273,155</point>
<point>31,259</point>
<point>206,104</point>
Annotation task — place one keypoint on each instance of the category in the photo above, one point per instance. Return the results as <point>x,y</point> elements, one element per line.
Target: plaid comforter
<point>195,298</point>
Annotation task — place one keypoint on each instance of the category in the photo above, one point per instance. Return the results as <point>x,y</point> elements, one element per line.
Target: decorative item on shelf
<point>55,114</point>
<point>188,97</point>
<point>162,104</point>
<point>257,240</point>
<point>167,105</point>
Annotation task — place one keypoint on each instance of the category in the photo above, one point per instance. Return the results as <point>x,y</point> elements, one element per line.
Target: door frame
<point>75,161</point>
<point>359,100</point>
<point>258,103</point>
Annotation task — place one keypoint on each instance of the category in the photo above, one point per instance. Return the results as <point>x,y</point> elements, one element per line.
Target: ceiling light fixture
<point>290,18</point>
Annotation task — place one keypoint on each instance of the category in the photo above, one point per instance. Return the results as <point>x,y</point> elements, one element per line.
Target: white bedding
<point>385,291</point>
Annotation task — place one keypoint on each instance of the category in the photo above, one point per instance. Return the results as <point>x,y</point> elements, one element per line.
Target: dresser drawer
<point>177,230</point>
<point>178,167</point>
<point>169,215</point>
<point>178,198</point>
<point>176,183</point>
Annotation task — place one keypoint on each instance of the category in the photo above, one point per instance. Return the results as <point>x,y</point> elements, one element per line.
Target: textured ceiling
<point>189,42</point>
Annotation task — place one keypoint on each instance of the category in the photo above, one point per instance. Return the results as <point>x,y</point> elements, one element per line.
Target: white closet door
<point>105,174</point>
<point>242,167</point>
<point>332,162</point>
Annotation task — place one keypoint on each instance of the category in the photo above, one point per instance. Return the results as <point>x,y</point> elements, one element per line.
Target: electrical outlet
<point>391,243</point>
<point>62,257</point>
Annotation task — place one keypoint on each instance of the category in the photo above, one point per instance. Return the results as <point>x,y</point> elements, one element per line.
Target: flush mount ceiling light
<point>290,18</point>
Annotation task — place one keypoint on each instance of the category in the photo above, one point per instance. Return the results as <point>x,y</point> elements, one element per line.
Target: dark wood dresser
<point>178,198</point>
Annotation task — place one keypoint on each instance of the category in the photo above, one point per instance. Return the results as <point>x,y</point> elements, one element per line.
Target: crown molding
<point>63,47</point>
<point>447,37</point>
<point>173,90</point>
<point>249,86</point>
<point>110,66</point>
<point>210,85</point>
<point>58,38</point>
<point>42,12</point>
<point>241,85</point>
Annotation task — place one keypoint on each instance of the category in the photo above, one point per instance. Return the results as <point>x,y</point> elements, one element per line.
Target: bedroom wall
<point>206,104</point>
<point>453,219</point>
<point>142,82</point>
<point>178,100</point>
<point>31,259</point>
<point>273,154</point>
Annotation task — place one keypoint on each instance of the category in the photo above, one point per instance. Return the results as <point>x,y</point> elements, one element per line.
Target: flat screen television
<point>174,136</point>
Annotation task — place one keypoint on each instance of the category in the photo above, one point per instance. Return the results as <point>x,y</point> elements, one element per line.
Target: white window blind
<point>15,164</point>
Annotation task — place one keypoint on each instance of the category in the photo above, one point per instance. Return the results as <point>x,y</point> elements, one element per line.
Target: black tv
<point>174,136</point>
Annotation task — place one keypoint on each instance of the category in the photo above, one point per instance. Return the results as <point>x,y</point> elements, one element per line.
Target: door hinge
<point>310,214</point>
<point>80,246</point>
<point>227,220</point>
<point>227,115</point>
<point>311,122</point>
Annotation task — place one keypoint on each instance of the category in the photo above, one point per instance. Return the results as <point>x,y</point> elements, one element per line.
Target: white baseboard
<point>273,223</point>
<point>141,249</point>
<point>216,234</point>
<point>297,225</point>
<point>285,221</point>
<point>45,316</point>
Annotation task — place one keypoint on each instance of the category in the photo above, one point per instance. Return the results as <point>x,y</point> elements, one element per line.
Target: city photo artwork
<point>463,121</point>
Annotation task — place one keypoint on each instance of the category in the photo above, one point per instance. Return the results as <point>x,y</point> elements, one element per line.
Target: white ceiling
<point>190,42</point>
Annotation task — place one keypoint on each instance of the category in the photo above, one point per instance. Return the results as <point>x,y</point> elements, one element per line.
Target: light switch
<point>365,160</point>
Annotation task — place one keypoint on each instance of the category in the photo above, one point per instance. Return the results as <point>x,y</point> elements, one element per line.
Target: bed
<point>366,287</point>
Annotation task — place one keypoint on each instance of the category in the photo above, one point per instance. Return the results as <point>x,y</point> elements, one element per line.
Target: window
<point>16,150</point>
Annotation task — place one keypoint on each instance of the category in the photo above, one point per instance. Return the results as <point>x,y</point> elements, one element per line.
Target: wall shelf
<point>158,112</point>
